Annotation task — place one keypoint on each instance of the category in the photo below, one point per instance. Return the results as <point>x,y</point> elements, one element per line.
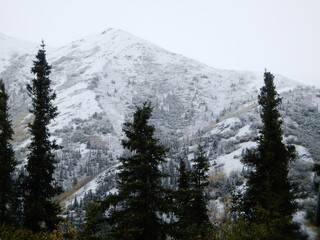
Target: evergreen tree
<point>7,161</point>
<point>40,211</point>
<point>184,228</point>
<point>137,208</point>
<point>268,200</point>
<point>200,170</point>
<point>191,211</point>
<point>184,176</point>
<point>199,183</point>
<point>94,227</point>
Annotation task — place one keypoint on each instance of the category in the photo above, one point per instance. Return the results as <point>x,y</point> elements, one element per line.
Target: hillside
<point>100,78</point>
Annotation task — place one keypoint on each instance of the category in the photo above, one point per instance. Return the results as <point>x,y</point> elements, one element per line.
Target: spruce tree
<point>182,205</point>
<point>40,211</point>
<point>268,202</point>
<point>7,161</point>
<point>94,226</point>
<point>184,176</point>
<point>191,204</point>
<point>136,212</point>
<point>200,169</point>
<point>199,183</point>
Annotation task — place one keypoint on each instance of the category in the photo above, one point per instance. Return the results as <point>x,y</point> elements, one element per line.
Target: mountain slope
<point>98,80</point>
<point>111,70</point>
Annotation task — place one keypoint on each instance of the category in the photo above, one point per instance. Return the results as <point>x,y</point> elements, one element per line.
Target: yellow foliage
<point>64,231</point>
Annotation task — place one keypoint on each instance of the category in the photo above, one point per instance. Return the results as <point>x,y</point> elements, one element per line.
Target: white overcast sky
<point>280,35</point>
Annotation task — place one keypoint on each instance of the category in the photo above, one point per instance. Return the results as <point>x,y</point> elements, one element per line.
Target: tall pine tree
<point>40,211</point>
<point>268,201</point>
<point>7,161</point>
<point>138,206</point>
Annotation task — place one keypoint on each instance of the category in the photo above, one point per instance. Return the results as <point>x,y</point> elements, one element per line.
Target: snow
<point>243,131</point>
<point>303,154</point>
<point>299,217</point>
<point>226,125</point>
<point>231,162</point>
<point>80,104</point>
<point>90,186</point>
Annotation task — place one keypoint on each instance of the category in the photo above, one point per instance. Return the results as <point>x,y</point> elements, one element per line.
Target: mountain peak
<point>111,38</point>
<point>113,30</point>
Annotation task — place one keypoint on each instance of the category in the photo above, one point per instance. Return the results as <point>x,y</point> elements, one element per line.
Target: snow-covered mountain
<point>12,47</point>
<point>100,78</point>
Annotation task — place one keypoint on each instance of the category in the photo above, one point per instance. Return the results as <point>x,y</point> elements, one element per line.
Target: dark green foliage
<point>182,204</point>
<point>94,227</point>
<point>200,169</point>
<point>199,202</point>
<point>40,212</point>
<point>268,200</point>
<point>7,162</point>
<point>11,232</point>
<point>243,230</point>
<point>190,202</point>
<point>184,176</point>
<point>136,211</point>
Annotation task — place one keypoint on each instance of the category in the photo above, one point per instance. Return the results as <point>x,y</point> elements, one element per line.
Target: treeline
<point>142,208</point>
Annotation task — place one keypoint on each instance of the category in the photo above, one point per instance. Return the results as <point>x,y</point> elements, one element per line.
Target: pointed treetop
<point>42,44</point>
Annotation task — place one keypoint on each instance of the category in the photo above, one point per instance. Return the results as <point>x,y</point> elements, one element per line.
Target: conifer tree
<point>137,208</point>
<point>94,226</point>
<point>268,201</point>
<point>7,161</point>
<point>40,211</point>
<point>191,205</point>
<point>184,228</point>
<point>199,183</point>
<point>200,169</point>
<point>184,176</point>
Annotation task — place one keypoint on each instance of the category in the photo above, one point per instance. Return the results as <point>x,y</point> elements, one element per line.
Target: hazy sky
<point>280,35</point>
